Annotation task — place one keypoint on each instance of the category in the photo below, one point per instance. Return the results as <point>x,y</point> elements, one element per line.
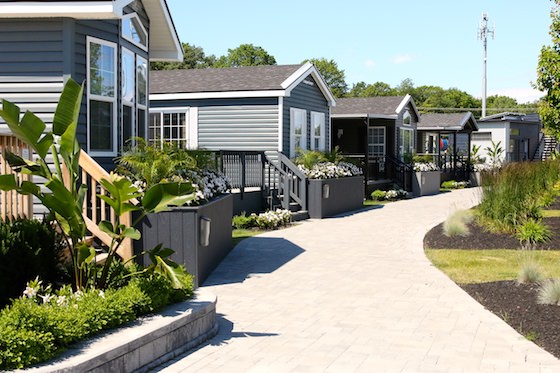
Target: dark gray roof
<point>380,105</point>
<point>511,117</point>
<point>247,78</point>
<point>451,121</point>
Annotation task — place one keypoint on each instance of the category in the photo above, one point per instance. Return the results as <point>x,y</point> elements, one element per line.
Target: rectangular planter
<point>426,183</point>
<point>330,197</point>
<point>185,230</point>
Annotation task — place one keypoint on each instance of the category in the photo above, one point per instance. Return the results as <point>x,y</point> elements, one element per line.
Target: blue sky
<point>431,42</point>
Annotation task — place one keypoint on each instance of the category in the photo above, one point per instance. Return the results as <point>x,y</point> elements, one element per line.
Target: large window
<point>298,125</point>
<point>133,31</point>
<point>406,146</point>
<point>102,97</point>
<point>169,126</point>
<point>128,81</point>
<point>376,141</point>
<point>318,131</point>
<point>141,95</point>
<point>407,119</point>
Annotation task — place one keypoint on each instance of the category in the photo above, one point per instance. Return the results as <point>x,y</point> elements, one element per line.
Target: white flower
<point>47,298</point>
<point>29,292</point>
<point>101,294</point>
<point>422,167</point>
<point>62,300</point>
<point>329,170</point>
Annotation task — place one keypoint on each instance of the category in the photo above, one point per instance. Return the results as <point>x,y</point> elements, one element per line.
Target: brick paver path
<point>355,294</point>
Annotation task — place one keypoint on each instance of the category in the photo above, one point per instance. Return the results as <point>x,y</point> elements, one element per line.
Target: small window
<point>482,136</point>
<point>134,31</point>
<point>318,128</point>
<point>169,127</point>
<point>376,141</point>
<point>407,118</point>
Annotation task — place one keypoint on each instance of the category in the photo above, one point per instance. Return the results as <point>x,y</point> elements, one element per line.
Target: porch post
<point>469,152</point>
<point>455,154</point>
<point>366,156</point>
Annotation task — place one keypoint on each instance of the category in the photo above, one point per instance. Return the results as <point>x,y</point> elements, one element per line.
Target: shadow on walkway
<point>254,255</point>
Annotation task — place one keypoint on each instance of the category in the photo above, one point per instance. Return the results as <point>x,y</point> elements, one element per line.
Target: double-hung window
<point>318,131</point>
<point>169,126</point>
<point>102,97</point>
<point>298,134</point>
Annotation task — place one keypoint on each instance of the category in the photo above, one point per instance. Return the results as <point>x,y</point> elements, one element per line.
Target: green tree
<point>405,87</point>
<point>548,77</point>
<point>421,94</point>
<point>451,99</point>
<point>333,75</point>
<point>361,89</point>
<point>193,58</point>
<point>500,103</point>
<point>245,55</point>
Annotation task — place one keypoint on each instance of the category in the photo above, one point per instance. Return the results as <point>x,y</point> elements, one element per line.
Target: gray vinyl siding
<point>238,127</point>
<point>310,98</point>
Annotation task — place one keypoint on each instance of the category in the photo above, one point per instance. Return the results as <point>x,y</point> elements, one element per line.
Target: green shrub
<point>452,184</point>
<point>243,221</point>
<point>549,292</point>
<point>29,249</point>
<point>378,195</point>
<point>456,223</point>
<point>532,232</point>
<point>38,326</point>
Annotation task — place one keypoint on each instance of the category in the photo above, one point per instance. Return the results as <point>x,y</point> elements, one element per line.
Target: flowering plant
<point>273,219</point>
<point>207,184</point>
<point>330,170</point>
<point>424,166</point>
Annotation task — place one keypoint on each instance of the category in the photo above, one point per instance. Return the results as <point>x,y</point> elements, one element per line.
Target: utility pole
<point>483,32</point>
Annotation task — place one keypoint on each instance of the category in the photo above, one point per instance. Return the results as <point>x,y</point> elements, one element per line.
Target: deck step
<point>300,215</point>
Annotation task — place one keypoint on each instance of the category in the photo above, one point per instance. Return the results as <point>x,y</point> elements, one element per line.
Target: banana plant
<point>65,199</point>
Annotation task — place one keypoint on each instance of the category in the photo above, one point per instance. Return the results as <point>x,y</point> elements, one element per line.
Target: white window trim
<point>405,114</point>
<point>130,104</point>
<point>384,140</point>
<point>142,28</point>
<point>402,131</point>
<point>315,115</point>
<point>293,147</point>
<point>192,142</point>
<point>113,100</point>
<point>140,106</point>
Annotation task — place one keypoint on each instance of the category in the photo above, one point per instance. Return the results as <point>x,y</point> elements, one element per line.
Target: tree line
<point>428,98</point>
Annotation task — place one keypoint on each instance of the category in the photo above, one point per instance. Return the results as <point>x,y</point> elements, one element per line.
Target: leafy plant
<point>309,158</point>
<point>495,153</point>
<point>378,195</point>
<point>65,193</point>
<point>243,221</point>
<point>532,232</point>
<point>452,184</point>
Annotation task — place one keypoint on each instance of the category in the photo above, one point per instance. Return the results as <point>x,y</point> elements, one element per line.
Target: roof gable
<point>448,121</point>
<point>164,41</point>
<point>373,107</point>
<point>243,81</point>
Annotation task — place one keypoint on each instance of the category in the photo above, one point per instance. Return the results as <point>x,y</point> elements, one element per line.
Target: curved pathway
<point>355,294</point>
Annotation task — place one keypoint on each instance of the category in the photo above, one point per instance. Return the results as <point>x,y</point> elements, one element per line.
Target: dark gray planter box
<point>330,197</point>
<point>183,230</point>
<point>426,183</point>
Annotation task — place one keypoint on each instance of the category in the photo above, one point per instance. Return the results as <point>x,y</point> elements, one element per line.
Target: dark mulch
<point>516,304</point>
<point>480,238</point>
<point>513,302</point>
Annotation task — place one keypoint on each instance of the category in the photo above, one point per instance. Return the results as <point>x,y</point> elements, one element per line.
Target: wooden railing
<point>96,210</point>
<point>13,204</point>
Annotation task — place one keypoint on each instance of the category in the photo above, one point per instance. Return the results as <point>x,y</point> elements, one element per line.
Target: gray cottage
<point>259,108</point>
<point>447,137</point>
<point>106,44</point>
<point>379,132</point>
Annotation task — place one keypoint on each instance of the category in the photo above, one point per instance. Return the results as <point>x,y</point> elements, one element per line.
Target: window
<point>298,125</point>
<point>406,147</point>
<point>134,31</point>
<point>128,83</point>
<point>169,126</point>
<point>376,141</point>
<point>102,98</point>
<point>407,118</point>
<point>482,136</point>
<point>141,95</point>
<point>318,131</point>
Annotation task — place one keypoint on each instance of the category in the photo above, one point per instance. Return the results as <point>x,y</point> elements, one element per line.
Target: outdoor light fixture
<point>205,231</point>
<point>326,191</point>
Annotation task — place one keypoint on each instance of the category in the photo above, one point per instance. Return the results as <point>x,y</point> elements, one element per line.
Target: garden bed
<point>515,303</point>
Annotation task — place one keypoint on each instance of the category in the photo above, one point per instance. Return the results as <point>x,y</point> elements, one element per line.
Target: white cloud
<point>522,95</point>
<point>370,64</point>
<point>404,58</point>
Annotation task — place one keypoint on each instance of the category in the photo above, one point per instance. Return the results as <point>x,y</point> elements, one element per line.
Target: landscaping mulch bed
<point>515,303</point>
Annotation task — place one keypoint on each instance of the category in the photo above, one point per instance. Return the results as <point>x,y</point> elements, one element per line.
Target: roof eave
<point>300,74</point>
<point>220,94</point>
<point>368,116</point>
<point>73,9</point>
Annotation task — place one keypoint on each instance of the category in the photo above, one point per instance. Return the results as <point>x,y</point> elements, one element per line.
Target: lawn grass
<point>238,235</point>
<point>551,213</point>
<point>476,266</point>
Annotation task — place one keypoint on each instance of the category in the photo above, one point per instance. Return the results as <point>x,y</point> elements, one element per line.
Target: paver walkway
<point>355,294</point>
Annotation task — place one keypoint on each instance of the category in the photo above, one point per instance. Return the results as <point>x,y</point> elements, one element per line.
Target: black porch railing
<point>383,168</point>
<point>280,181</point>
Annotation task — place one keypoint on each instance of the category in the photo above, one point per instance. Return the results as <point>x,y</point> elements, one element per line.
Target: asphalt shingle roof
<point>247,78</point>
<point>380,105</point>
<point>446,120</point>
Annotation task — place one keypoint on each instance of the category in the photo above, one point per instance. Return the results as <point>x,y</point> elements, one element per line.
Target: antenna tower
<point>483,32</point>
